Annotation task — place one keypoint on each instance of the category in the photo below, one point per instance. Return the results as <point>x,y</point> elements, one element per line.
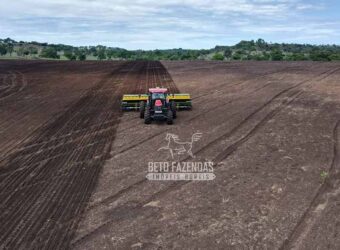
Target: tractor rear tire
<point>141,109</point>
<point>173,108</point>
<point>169,117</point>
<point>147,116</point>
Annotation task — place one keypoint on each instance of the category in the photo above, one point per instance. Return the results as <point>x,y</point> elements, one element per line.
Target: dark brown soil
<point>72,167</point>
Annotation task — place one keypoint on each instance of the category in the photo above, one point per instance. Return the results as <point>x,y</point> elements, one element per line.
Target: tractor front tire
<point>169,117</point>
<point>142,109</point>
<point>173,108</point>
<point>147,116</point>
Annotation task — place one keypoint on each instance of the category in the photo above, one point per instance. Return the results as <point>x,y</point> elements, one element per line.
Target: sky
<point>164,24</point>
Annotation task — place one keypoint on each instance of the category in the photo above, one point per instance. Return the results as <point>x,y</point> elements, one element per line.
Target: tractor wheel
<point>169,118</point>
<point>173,108</point>
<point>147,116</point>
<point>141,109</point>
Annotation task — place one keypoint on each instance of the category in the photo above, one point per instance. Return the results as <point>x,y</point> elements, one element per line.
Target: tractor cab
<point>157,96</point>
<point>158,92</point>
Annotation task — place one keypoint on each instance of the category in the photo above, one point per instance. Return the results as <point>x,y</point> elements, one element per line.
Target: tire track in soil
<point>329,188</point>
<point>158,76</point>
<point>13,83</point>
<point>220,157</point>
<point>214,141</point>
<point>152,82</point>
<point>11,148</point>
<point>223,104</point>
<point>44,104</point>
<point>223,85</point>
<point>170,84</point>
<point>5,123</point>
<point>40,142</point>
<point>210,109</point>
<point>65,138</point>
<point>46,215</point>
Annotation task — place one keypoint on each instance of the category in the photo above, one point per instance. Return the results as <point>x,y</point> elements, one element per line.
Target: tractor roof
<point>158,90</point>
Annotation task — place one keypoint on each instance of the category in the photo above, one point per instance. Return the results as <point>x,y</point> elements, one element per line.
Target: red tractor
<point>158,106</point>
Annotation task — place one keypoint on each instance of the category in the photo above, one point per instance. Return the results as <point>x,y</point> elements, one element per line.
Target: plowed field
<point>73,166</point>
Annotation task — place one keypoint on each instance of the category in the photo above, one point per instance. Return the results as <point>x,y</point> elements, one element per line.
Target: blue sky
<point>162,24</point>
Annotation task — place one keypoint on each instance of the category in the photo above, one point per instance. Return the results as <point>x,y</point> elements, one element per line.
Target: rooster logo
<point>177,147</point>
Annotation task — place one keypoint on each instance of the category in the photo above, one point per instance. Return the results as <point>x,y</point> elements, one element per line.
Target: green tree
<point>261,44</point>
<point>218,57</point>
<point>49,52</point>
<point>238,55</point>
<point>3,49</point>
<point>125,54</point>
<point>228,52</point>
<point>320,55</point>
<point>93,51</point>
<point>26,51</point>
<point>111,54</point>
<point>298,57</point>
<point>246,45</point>
<point>276,55</point>
<point>259,57</point>
<point>10,48</point>
<point>82,57</point>
<point>335,57</point>
<point>101,54</point>
<point>22,51</point>
<point>32,50</point>
<point>69,55</point>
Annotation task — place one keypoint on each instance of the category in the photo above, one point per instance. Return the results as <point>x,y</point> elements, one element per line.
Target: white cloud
<point>160,24</point>
<point>120,8</point>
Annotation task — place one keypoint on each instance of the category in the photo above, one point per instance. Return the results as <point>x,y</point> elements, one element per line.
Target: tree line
<point>258,50</point>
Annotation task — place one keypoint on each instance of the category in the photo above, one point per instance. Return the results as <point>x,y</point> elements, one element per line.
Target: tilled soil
<point>73,167</point>
<point>47,179</point>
